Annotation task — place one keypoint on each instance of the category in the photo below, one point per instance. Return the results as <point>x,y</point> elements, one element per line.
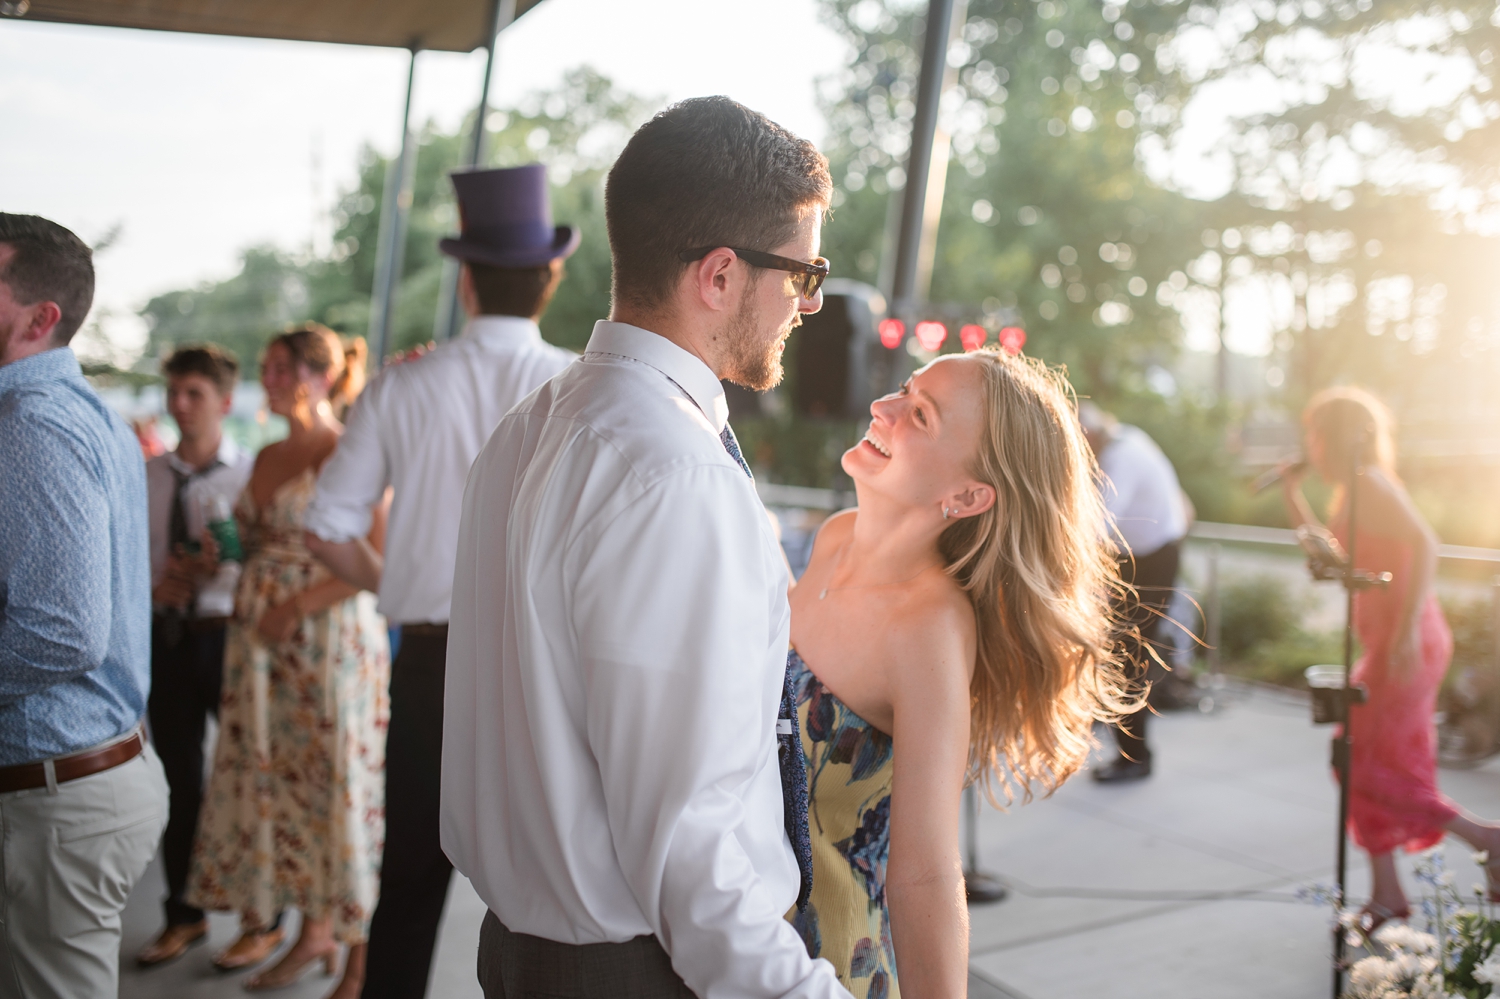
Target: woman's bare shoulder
<point>832,533</point>
<point>937,626</point>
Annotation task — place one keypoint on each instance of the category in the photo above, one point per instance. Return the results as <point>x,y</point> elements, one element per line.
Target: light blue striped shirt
<point>75,566</point>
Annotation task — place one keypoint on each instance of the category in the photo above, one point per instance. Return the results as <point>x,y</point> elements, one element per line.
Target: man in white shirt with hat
<point>416,429</point>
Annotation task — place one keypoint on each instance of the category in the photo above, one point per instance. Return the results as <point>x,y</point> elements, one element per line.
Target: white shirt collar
<point>688,371</point>
<point>502,331</point>
<point>229,454</point>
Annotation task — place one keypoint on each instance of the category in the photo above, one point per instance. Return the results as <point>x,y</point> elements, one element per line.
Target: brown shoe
<point>252,947</point>
<point>173,943</point>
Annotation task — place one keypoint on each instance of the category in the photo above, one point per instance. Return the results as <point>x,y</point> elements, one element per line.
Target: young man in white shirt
<point>416,429</point>
<point>611,782</point>
<point>1150,512</point>
<point>190,610</point>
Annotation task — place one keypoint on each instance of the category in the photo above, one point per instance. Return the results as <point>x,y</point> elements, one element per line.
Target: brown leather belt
<point>26,776</point>
<point>424,629</point>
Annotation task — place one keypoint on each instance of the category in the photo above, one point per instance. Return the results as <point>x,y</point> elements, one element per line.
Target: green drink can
<point>224,530</point>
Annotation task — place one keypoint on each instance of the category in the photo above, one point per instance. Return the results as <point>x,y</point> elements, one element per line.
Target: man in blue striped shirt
<point>82,797</point>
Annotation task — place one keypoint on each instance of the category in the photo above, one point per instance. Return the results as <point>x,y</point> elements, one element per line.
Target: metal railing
<point>1215,535</point>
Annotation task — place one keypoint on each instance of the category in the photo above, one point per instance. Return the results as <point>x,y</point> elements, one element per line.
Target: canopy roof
<point>451,25</point>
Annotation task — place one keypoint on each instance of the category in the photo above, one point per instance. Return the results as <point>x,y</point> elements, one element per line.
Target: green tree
<point>576,128</point>
<point>1363,205</point>
<point>1048,219</point>
<point>240,313</point>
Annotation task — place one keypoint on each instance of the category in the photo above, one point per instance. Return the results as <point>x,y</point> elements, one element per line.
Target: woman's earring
<point>946,512</point>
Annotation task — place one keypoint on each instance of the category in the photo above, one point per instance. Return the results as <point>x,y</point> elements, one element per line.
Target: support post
<point>450,316</point>
<point>926,163</point>
<point>395,211</point>
<point>1212,625</point>
<point>979,886</point>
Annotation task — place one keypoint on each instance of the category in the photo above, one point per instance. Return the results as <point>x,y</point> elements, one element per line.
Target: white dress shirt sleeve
<point>676,605</point>
<point>355,477</point>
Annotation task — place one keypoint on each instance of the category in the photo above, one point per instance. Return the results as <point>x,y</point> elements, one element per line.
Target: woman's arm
<point>1386,508</point>
<point>1297,509</point>
<point>924,874</point>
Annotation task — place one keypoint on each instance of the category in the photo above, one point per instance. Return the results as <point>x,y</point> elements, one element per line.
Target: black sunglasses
<point>812,274</point>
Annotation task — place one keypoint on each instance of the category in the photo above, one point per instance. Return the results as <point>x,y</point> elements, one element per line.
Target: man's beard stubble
<point>753,363</point>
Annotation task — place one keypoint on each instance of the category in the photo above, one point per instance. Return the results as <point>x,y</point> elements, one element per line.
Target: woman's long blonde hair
<point>1040,569</point>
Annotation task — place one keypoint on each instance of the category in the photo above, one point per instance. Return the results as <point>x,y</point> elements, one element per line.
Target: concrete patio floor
<point>1178,887</point>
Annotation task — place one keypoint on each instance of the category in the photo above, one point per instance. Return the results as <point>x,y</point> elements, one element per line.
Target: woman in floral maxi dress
<point>294,816</point>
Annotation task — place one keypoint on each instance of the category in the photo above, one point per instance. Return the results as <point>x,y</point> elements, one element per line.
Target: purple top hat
<point>506,219</point>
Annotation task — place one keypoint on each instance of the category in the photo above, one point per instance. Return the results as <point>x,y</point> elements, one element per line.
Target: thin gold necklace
<point>838,560</point>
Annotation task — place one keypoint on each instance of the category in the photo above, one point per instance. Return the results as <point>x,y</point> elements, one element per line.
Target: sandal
<point>172,943</point>
<point>1374,915</point>
<point>281,976</point>
<point>251,948</point>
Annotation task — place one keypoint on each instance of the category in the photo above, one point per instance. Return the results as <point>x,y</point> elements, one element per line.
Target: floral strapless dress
<point>849,768</point>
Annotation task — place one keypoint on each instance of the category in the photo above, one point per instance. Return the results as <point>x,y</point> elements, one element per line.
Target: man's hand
<point>201,566</point>
<point>354,562</point>
<point>279,623</point>
<point>177,587</point>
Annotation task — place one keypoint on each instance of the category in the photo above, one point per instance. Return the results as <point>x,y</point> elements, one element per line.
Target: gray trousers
<point>67,863</point>
<point>518,966</point>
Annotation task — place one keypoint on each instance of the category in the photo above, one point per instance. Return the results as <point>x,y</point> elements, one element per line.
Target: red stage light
<point>931,334</point>
<point>891,333</point>
<point>973,336</point>
<point>1012,339</point>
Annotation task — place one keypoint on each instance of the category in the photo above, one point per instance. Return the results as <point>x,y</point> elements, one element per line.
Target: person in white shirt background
<point>617,661</point>
<point>190,609</point>
<point>1151,514</point>
<point>416,429</point>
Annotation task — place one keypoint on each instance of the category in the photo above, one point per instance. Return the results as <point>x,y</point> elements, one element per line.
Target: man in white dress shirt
<point>417,428</point>
<point>620,621</point>
<point>1150,512</point>
<point>190,611</point>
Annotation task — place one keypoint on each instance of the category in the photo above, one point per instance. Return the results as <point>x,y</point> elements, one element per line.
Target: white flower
<point>1489,971</point>
<point>1370,974</point>
<point>1401,937</point>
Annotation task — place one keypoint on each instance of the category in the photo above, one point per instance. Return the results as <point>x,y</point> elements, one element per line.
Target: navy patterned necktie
<point>788,744</point>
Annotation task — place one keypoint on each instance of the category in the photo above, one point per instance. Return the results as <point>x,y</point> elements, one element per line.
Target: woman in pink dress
<point>1394,799</point>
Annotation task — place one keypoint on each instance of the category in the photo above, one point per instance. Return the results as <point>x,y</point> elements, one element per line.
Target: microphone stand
<point>979,886</point>
<point>1326,560</point>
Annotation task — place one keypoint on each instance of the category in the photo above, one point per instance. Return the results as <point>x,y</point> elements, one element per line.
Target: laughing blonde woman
<point>955,626</point>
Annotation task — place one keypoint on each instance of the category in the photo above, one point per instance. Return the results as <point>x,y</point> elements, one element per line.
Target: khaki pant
<point>67,863</point>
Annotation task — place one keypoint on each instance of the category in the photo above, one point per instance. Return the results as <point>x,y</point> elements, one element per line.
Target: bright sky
<point>199,146</point>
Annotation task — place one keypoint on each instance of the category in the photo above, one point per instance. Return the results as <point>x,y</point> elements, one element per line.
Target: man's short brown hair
<point>705,172</point>
<point>50,264</point>
<point>209,360</point>
<point>513,291</point>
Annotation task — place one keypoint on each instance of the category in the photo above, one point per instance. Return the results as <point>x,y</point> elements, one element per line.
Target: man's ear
<point>43,321</point>
<point>713,279</point>
<point>468,298</point>
<point>973,500</point>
